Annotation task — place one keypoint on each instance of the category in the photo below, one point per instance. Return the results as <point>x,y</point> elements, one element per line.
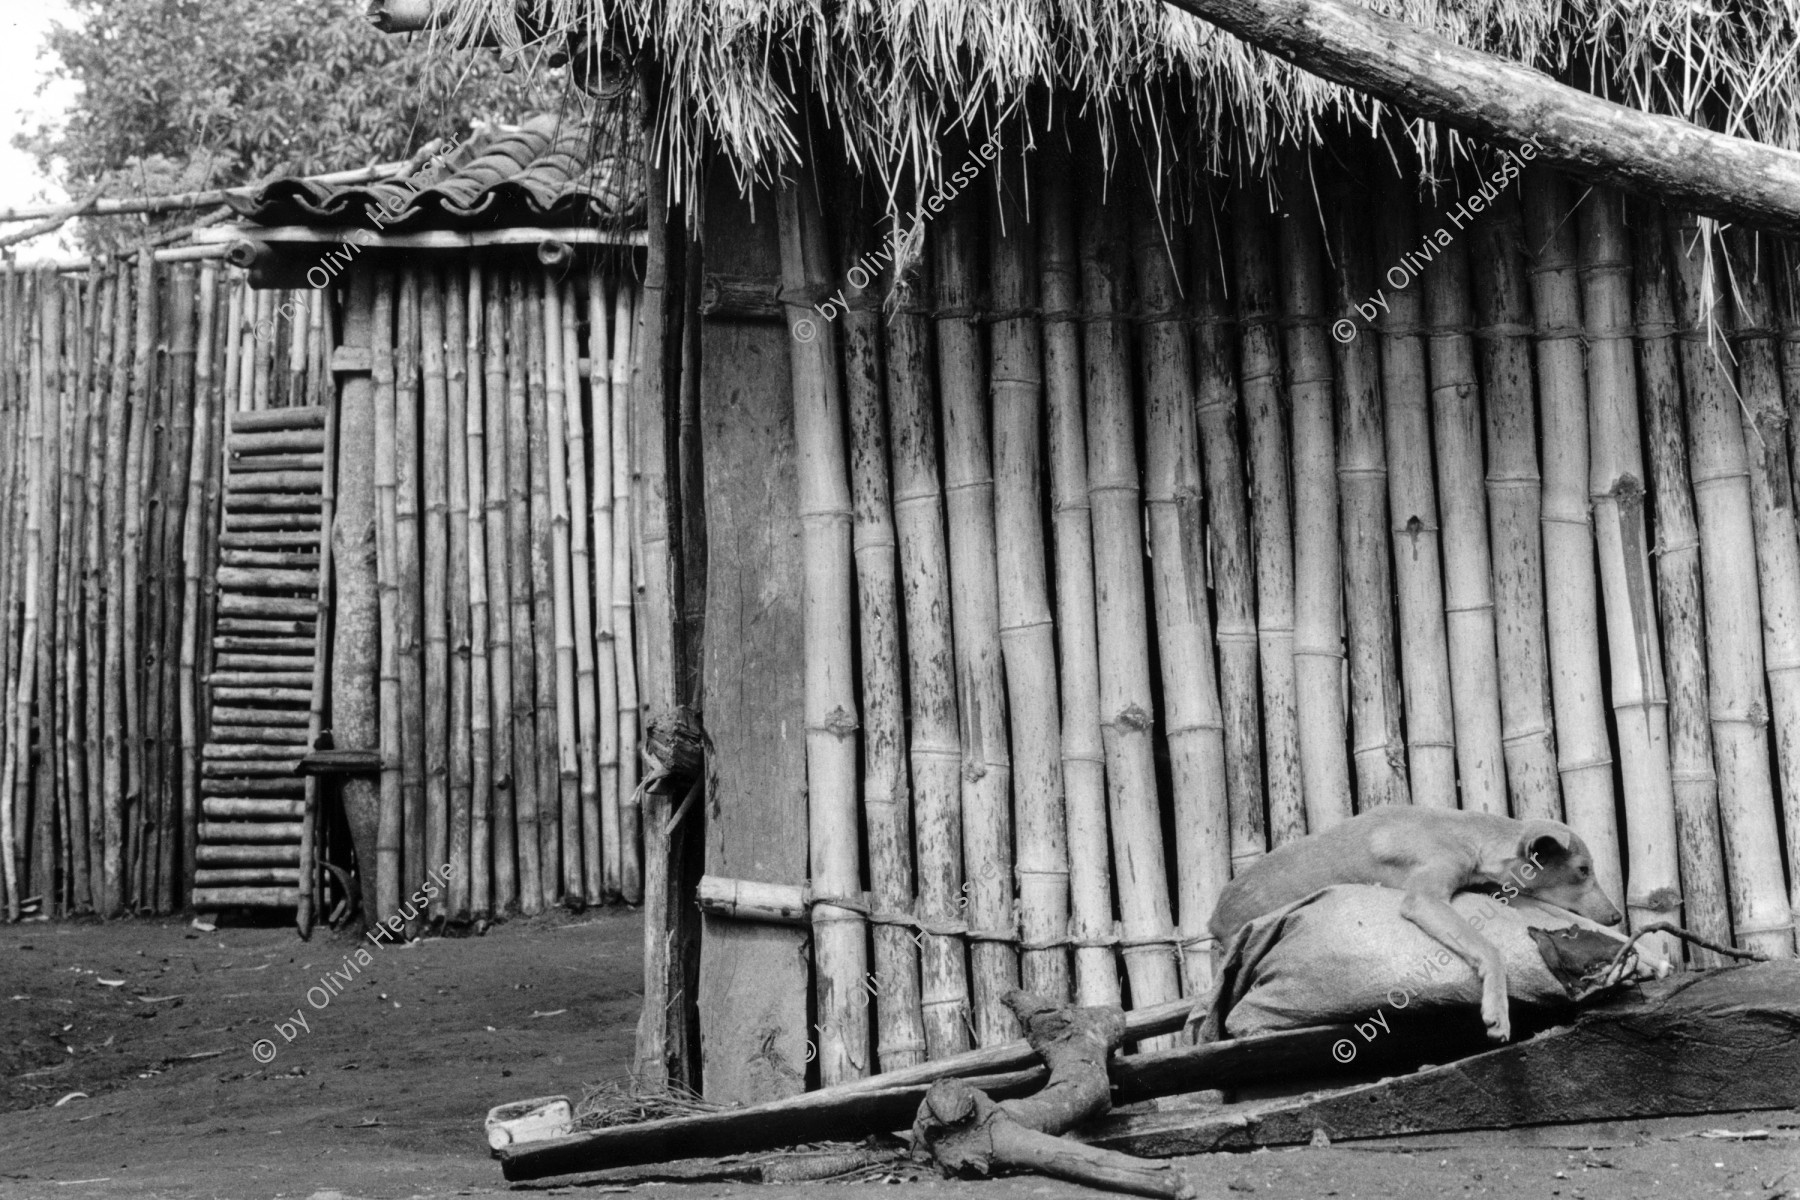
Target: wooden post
<point>104,403</point>
<point>1577,694</point>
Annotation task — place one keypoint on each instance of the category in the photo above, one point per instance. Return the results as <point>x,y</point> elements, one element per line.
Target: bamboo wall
<point>1135,540</point>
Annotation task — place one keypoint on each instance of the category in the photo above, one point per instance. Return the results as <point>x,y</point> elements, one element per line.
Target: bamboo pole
<point>1787,298</point>
<point>1148,931</point>
<point>557,792</point>
<point>1778,572</point>
<point>192,560</point>
<point>606,668</point>
<point>15,776</point>
<point>143,365</point>
<point>464,779</point>
<point>935,751</point>
<point>1462,507</point>
<point>78,883</point>
<point>437,701</point>
<point>1678,582</point>
<point>1027,631</point>
<point>114,743</point>
<point>1083,754</point>
<point>839,934</point>
<point>408,584</point>
<point>1177,548</point>
<point>312,848</point>
<point>46,777</point>
<point>1615,486</point>
<point>499,595</point>
<point>1584,749</point>
<point>886,800</point>
<point>1318,562</point>
<point>581,588</point>
<point>247,349</point>
<point>389,848</point>
<point>1271,510</point>
<point>556,429</point>
<point>94,599</point>
<point>522,549</point>
<point>631,871</point>
<point>1228,525</point>
<point>1412,505</point>
<point>176,470</point>
<point>486,764</point>
<point>1515,518</point>
<point>263,342</point>
<point>1362,474</point>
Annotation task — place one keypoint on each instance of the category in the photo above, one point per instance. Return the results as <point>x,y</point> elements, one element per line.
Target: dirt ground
<point>382,1091</point>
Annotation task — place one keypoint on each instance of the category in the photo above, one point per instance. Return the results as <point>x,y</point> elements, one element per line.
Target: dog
<point>1430,854</point>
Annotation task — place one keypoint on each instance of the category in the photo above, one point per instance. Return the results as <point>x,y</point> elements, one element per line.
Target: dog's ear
<point>1546,842</point>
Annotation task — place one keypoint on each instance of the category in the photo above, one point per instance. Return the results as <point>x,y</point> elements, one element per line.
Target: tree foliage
<point>183,94</point>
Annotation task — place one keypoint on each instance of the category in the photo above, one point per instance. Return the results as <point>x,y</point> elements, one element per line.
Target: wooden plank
<point>753,978</point>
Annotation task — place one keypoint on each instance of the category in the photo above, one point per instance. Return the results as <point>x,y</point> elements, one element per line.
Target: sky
<point>23,24</point>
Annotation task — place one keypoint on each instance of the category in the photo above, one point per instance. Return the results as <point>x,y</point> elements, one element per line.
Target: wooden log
<point>258,716</point>
<point>267,579</point>
<point>1173,513</point>
<point>530,802</point>
<point>578,518</point>
<point>311,841</point>
<point>486,767</point>
<point>499,591</point>
<point>631,877</point>
<point>606,666</point>
<point>229,876</point>
<point>1271,510</point>
<point>250,854</point>
<point>886,799</point>
<point>1027,633</point>
<point>1125,702</point>
<point>1787,299</point>
<point>934,750</point>
<point>435,579</point>
<point>227,734</point>
<point>1378,751</point>
<point>1616,489</point>
<point>83,320</point>
<point>555,619</point>
<point>249,446</point>
<point>277,419</point>
<point>1515,519</point>
<point>265,463</point>
<point>1678,573</point>
<point>293,788</point>
<point>239,604</point>
<point>266,558</point>
<point>463,779</point>
<point>528,336</point>
<point>1584,749</point>
<point>1083,754</point>
<point>840,953</point>
<point>306,482</point>
<point>260,627</point>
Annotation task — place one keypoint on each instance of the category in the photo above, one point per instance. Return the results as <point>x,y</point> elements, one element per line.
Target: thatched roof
<point>891,77</point>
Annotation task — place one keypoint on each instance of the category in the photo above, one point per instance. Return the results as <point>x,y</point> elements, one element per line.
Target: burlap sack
<point>1345,952</point>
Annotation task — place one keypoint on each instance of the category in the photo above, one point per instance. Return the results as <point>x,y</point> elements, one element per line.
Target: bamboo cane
<point>1125,703</point>
<point>1083,754</point>
<point>1577,695</point>
<point>581,596</point>
<point>1271,511</point>
<point>94,638</point>
<point>462,660</point>
<point>1615,486</point>
<point>1318,562</point>
<point>48,792</point>
<point>1515,519</point>
<point>78,883</point>
<point>408,584</point>
<point>486,764</point>
<point>1027,632</point>
<point>143,366</point>
<point>558,402</point>
<point>114,747</point>
<point>1228,524</point>
<point>15,776</point>
<point>1462,507</point>
<point>312,848</point>
<point>1362,473</point>
<point>935,750</point>
<point>1173,514</point>
<point>177,468</point>
<point>557,793</point>
<point>1706,704</point>
<point>19,467</point>
<point>192,560</point>
<point>1778,572</point>
<point>886,801</point>
<point>436,580</point>
<point>505,819</point>
<point>606,668</point>
<point>389,848</point>
<point>631,877</point>
<point>247,349</point>
<point>1787,298</point>
<point>1412,504</point>
<point>263,342</point>
<point>521,548</point>
<point>298,322</point>
<point>839,934</point>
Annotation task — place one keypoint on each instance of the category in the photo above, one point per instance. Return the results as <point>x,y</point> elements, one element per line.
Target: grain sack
<point>1346,951</point>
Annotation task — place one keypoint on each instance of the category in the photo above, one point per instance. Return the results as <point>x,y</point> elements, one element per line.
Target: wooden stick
<point>49,814</point>
<point>600,400</point>
<point>462,366</point>
<point>1318,562</point>
<point>499,595</point>
<point>1576,689</point>
<point>1083,753</point>
<point>1685,624</point>
<point>631,876</point>
<point>1027,633</point>
<point>205,389</point>
<point>408,612</point>
<point>556,425</point>
<point>886,801</point>
<point>1271,511</point>
<point>14,781</point>
<point>487,763</point>
<point>389,849</point>
<point>94,599</point>
<point>1362,472</point>
<point>143,365</point>
<point>581,584</point>
<point>14,415</point>
<point>1125,703</point>
<point>438,698</point>
<point>521,547</point>
<point>82,320</point>
<point>1173,513</point>
<point>559,781</point>
<point>177,469</point>
<point>1615,486</point>
<point>1462,506</point>
<point>839,934</point>
<point>935,749</point>
<point>312,848</point>
<point>1515,511</point>
<point>1787,297</point>
<point>114,748</point>
<point>1412,506</point>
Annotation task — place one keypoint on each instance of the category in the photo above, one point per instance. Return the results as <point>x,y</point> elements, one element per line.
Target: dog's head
<point>1553,865</point>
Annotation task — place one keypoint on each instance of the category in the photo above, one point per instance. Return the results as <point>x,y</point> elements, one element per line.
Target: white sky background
<point>23,24</point>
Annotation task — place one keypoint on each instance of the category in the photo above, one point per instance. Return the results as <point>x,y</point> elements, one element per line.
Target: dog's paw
<point>1498,1020</point>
